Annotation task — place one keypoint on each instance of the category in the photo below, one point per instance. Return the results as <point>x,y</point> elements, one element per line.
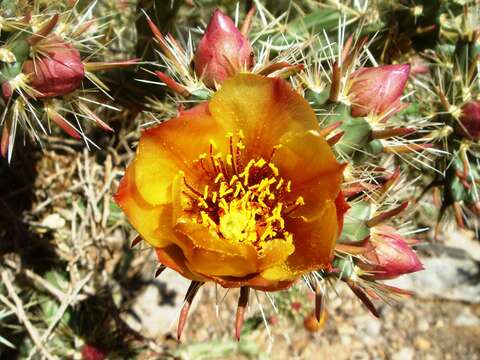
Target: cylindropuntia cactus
<point>450,95</point>
<point>360,127</point>
<point>47,70</point>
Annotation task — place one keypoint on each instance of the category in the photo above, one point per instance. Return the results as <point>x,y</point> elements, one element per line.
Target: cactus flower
<point>222,51</point>
<point>470,120</point>
<point>377,91</point>
<point>57,71</point>
<point>242,190</point>
<point>392,255</point>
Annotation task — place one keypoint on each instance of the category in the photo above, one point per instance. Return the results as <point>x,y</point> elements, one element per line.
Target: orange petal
<point>256,282</point>
<point>314,243</point>
<point>153,223</point>
<point>171,147</point>
<point>263,108</point>
<point>207,253</point>
<point>172,257</point>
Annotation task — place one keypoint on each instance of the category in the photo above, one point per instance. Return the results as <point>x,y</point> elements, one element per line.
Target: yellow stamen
<point>241,204</point>
<point>219,177</point>
<point>273,168</point>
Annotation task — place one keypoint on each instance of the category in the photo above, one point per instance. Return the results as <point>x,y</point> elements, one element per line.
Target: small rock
<point>54,222</point>
<point>439,323</point>
<point>467,318</point>
<point>404,354</point>
<point>422,343</point>
<point>423,325</point>
<point>444,277</point>
<point>463,240</point>
<point>370,328</point>
<point>158,306</point>
<point>345,340</point>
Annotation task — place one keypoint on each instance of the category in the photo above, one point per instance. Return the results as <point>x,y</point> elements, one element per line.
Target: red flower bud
<point>222,51</point>
<point>90,352</point>
<point>377,90</point>
<point>391,257</point>
<point>470,120</point>
<point>58,71</point>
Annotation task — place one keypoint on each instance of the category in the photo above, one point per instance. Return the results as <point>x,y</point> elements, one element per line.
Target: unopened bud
<point>377,90</point>
<point>222,51</point>
<point>90,352</point>
<point>391,257</point>
<point>470,120</point>
<point>58,71</point>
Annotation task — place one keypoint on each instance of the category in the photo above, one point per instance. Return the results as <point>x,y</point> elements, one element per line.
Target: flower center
<point>245,201</point>
<point>238,225</point>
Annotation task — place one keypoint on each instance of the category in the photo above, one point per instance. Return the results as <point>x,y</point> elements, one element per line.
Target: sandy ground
<point>414,329</point>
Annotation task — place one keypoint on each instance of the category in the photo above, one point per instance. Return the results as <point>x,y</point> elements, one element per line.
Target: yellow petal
<point>314,243</point>
<point>308,161</point>
<point>153,223</point>
<point>275,252</point>
<point>263,108</point>
<point>170,147</point>
<point>207,253</point>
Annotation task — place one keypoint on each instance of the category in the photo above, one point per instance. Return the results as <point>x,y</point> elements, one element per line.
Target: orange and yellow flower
<point>242,190</point>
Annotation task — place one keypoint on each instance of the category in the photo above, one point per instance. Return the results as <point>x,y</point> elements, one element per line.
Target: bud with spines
<point>222,52</point>
<point>391,256</point>
<point>469,122</point>
<point>59,72</point>
<point>377,91</point>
